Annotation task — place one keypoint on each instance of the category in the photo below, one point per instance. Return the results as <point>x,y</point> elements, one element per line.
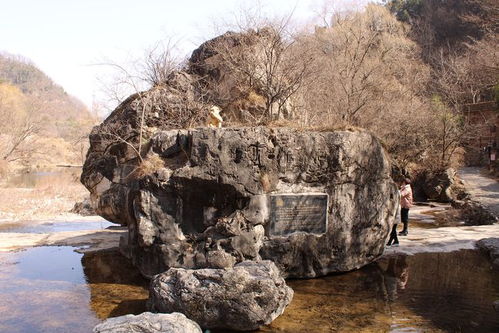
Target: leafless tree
<point>19,123</point>
<point>160,62</point>
<point>265,60</point>
<point>363,63</point>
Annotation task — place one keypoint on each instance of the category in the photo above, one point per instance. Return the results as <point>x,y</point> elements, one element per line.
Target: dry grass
<point>49,197</point>
<point>148,166</point>
<point>344,128</point>
<point>293,124</point>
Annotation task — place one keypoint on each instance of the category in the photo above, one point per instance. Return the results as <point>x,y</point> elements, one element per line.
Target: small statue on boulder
<point>215,119</point>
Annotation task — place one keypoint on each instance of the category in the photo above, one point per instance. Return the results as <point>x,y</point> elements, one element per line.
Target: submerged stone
<point>148,322</point>
<point>245,297</point>
<point>312,202</point>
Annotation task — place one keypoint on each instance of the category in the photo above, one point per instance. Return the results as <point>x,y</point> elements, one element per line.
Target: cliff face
<point>312,202</point>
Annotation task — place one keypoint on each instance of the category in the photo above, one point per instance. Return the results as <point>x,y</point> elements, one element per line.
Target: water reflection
<point>43,290</point>
<point>429,292</point>
<point>455,291</point>
<point>395,276</point>
<point>116,287</point>
<point>54,289</point>
<point>31,179</point>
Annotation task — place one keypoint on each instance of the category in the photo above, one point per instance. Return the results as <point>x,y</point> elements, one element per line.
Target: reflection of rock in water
<point>352,302</point>
<point>116,286</point>
<point>455,291</point>
<point>429,292</point>
<point>396,276</point>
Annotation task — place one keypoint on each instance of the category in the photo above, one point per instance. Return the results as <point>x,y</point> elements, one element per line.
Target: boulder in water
<point>245,297</point>
<point>148,322</point>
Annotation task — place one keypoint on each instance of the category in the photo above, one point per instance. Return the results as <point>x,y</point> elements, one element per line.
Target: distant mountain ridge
<point>32,98</point>
<point>60,110</point>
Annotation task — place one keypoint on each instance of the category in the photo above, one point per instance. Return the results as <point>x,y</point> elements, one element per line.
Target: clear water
<point>428,292</point>
<point>50,227</point>
<point>54,289</point>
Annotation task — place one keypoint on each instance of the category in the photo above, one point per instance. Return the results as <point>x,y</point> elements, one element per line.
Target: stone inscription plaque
<point>298,212</point>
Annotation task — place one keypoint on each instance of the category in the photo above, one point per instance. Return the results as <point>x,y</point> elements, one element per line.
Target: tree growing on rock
<point>265,63</point>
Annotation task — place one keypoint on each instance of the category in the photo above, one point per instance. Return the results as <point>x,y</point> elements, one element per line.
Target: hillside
<point>40,124</point>
<point>459,40</point>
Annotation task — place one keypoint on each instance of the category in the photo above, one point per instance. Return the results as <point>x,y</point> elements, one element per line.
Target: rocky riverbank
<point>428,238</point>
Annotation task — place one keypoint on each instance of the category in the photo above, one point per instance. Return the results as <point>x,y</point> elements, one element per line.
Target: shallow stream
<point>54,289</point>
<point>27,227</point>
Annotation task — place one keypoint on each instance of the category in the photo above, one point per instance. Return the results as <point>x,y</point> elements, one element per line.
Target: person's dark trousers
<point>404,217</point>
<point>393,236</point>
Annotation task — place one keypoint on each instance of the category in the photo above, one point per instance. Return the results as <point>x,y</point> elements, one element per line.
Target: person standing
<point>406,202</point>
<point>393,234</point>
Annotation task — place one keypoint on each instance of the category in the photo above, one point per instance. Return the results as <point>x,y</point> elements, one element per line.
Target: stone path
<point>446,239</point>
<point>443,239</point>
<point>483,189</point>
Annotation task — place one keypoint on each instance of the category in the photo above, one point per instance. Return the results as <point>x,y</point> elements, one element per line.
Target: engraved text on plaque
<point>298,212</point>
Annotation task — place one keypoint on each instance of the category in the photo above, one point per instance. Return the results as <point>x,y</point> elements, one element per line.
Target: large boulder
<point>148,322</point>
<point>241,98</point>
<point>245,297</point>
<point>442,186</point>
<point>475,213</point>
<point>213,197</point>
<point>491,247</point>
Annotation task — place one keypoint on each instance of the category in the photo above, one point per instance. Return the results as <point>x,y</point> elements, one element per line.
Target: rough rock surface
<point>148,322</point>
<point>206,204</point>
<point>200,197</point>
<point>475,213</point>
<point>491,247</point>
<point>245,297</point>
<point>83,208</point>
<point>228,88</point>
<point>444,186</point>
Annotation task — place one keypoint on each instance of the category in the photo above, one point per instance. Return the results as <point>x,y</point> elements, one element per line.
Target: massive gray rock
<point>148,322</point>
<point>245,297</point>
<point>202,198</point>
<point>442,186</point>
<point>475,213</point>
<point>210,197</point>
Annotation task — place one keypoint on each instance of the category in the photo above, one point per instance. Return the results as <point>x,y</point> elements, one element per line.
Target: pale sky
<point>65,37</point>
